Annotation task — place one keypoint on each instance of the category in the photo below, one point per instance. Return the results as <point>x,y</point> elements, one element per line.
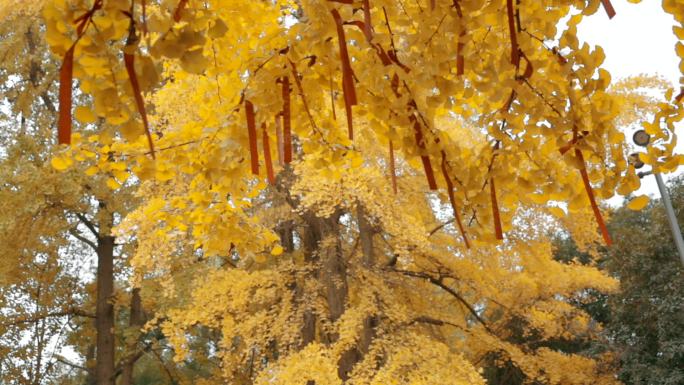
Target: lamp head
<point>641,138</point>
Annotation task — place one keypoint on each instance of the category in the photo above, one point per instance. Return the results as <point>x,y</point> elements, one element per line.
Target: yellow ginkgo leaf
<point>194,61</point>
<point>638,203</point>
<point>556,212</point>
<point>84,114</point>
<point>90,171</point>
<point>121,176</point>
<point>218,29</point>
<point>61,162</point>
<point>113,184</point>
<point>277,250</point>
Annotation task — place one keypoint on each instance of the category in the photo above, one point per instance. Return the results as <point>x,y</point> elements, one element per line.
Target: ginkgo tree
<point>297,159</point>
<point>63,279</point>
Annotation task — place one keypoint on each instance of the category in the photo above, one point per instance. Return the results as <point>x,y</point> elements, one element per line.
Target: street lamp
<point>642,138</point>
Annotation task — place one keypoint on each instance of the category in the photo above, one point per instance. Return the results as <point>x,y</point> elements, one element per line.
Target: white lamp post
<point>642,138</point>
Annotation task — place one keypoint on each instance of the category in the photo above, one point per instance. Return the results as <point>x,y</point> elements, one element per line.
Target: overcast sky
<point>639,39</point>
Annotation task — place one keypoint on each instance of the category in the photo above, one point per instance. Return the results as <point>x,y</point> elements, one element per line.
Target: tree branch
<point>83,239</point>
<point>433,321</point>
<point>64,313</point>
<point>131,359</point>
<point>436,229</point>
<point>88,224</point>
<point>438,282</point>
<point>65,362</point>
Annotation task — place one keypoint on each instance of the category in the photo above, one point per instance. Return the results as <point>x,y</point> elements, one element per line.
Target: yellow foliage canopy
<point>338,268</point>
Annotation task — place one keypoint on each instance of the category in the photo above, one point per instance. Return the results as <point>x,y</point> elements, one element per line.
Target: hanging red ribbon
<point>515,56</point>
<point>392,167</point>
<point>177,14</point>
<point>287,121</point>
<point>495,210</point>
<point>129,62</point>
<point>609,8</point>
<point>66,76</point>
<point>592,198</point>
<point>347,74</point>
<point>452,200</point>
<point>65,79</point>
<point>251,131</point>
<point>432,183</point>
<point>265,142</point>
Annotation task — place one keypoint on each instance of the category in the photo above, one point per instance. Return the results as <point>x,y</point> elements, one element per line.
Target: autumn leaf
<point>638,203</point>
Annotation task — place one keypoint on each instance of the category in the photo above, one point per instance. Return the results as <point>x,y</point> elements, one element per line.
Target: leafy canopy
<point>282,149</point>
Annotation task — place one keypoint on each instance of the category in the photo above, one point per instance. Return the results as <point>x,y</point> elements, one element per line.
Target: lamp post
<point>642,138</point>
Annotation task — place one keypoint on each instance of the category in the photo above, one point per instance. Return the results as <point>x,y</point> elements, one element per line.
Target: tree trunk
<point>90,364</point>
<point>366,232</point>
<point>322,239</point>
<point>135,321</point>
<point>104,323</point>
<point>352,356</point>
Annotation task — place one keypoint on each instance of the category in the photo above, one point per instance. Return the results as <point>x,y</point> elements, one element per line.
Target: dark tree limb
<point>73,365</point>
<point>88,224</point>
<point>439,283</point>
<point>433,321</point>
<point>76,234</point>
<point>64,313</point>
<point>436,229</point>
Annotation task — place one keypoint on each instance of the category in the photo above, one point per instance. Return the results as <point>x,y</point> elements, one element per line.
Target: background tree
<point>643,321</point>
<point>646,317</point>
<point>60,258</point>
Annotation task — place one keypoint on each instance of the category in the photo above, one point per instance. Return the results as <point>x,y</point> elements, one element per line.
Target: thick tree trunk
<point>352,356</point>
<point>104,324</point>
<point>366,232</point>
<point>322,239</point>
<point>321,243</point>
<point>135,321</point>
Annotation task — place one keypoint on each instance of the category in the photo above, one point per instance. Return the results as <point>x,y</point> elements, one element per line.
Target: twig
<point>436,229</point>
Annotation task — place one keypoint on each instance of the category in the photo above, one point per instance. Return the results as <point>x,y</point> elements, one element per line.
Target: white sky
<point>639,39</point>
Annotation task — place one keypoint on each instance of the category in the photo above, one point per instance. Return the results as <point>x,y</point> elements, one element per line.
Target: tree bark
<point>352,356</point>
<point>322,238</point>
<point>366,233</point>
<point>90,363</point>
<point>135,321</point>
<point>104,323</point>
